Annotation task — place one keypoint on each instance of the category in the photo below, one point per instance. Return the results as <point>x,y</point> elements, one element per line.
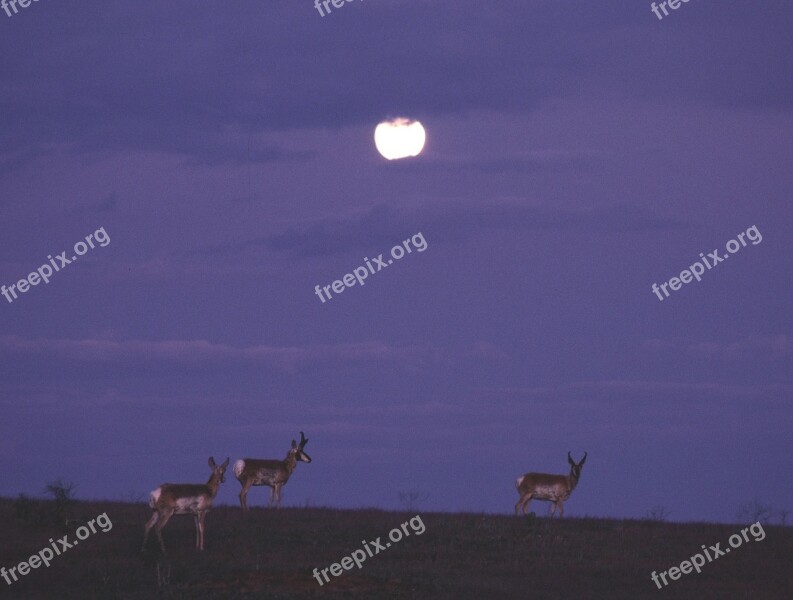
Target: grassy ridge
<point>272,555</point>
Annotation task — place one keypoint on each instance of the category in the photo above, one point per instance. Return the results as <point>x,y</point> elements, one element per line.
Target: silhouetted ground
<point>272,555</point>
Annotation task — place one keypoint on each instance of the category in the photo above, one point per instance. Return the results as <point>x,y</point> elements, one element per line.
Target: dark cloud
<point>100,207</point>
<point>382,225</point>
<point>204,355</point>
<point>161,82</point>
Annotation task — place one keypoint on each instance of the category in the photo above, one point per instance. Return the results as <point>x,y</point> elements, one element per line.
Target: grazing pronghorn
<point>185,499</point>
<point>555,488</point>
<point>275,473</point>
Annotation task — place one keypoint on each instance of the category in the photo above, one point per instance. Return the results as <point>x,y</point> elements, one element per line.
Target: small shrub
<point>411,499</point>
<point>657,513</point>
<point>63,495</point>
<point>754,511</point>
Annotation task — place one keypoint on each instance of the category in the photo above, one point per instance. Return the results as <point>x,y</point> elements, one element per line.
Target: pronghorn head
<point>297,449</point>
<point>218,471</point>
<point>575,469</point>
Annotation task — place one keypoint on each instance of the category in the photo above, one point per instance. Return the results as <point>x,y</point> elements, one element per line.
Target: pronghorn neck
<point>290,462</point>
<point>572,479</point>
<point>214,483</point>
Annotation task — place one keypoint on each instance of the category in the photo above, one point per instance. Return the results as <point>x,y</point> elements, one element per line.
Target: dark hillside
<point>273,555</point>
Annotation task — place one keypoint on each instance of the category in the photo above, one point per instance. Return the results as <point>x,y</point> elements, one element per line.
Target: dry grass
<point>272,555</point>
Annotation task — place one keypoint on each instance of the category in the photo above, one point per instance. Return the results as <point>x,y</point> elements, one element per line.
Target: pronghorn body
<point>554,488</point>
<point>184,499</point>
<point>273,473</point>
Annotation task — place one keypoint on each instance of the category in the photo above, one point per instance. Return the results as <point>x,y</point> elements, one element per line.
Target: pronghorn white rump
<point>273,473</point>
<point>554,488</point>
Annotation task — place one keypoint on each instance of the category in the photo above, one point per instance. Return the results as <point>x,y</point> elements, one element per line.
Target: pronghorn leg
<point>517,506</point>
<point>561,509</point>
<point>523,503</point>
<point>200,519</point>
<point>162,521</point>
<point>244,494</point>
<point>272,495</point>
<point>197,532</point>
<point>151,522</point>
<point>277,491</point>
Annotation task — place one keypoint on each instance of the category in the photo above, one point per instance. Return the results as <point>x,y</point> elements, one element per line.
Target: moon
<point>399,138</point>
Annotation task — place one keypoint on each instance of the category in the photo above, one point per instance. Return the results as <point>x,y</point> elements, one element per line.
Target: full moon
<point>399,138</point>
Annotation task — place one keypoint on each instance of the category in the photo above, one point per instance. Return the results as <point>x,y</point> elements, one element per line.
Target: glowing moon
<point>399,138</point>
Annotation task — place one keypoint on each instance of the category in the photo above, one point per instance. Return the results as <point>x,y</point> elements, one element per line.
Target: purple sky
<point>576,153</point>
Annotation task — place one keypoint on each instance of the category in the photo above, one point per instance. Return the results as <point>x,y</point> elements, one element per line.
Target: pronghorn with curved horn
<point>554,488</point>
<point>185,499</point>
<point>274,473</point>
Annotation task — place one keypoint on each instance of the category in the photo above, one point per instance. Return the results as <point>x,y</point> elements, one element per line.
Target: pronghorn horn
<point>583,459</point>
<point>303,440</point>
<point>570,458</point>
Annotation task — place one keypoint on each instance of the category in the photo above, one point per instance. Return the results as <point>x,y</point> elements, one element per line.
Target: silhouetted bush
<point>63,495</point>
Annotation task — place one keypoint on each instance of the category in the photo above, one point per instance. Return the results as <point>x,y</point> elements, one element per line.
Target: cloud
<point>277,70</point>
<point>203,354</point>
<point>766,347</point>
<point>106,205</point>
<point>630,389</point>
<point>382,226</point>
<point>557,161</point>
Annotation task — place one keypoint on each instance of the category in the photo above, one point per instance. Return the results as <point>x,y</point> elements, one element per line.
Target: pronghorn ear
<point>212,461</point>
<point>583,460</point>
<point>226,463</point>
<point>294,444</point>
<point>570,459</point>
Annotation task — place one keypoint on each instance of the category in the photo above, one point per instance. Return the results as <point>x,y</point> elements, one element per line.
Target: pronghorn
<point>275,473</point>
<point>555,488</point>
<point>185,499</point>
